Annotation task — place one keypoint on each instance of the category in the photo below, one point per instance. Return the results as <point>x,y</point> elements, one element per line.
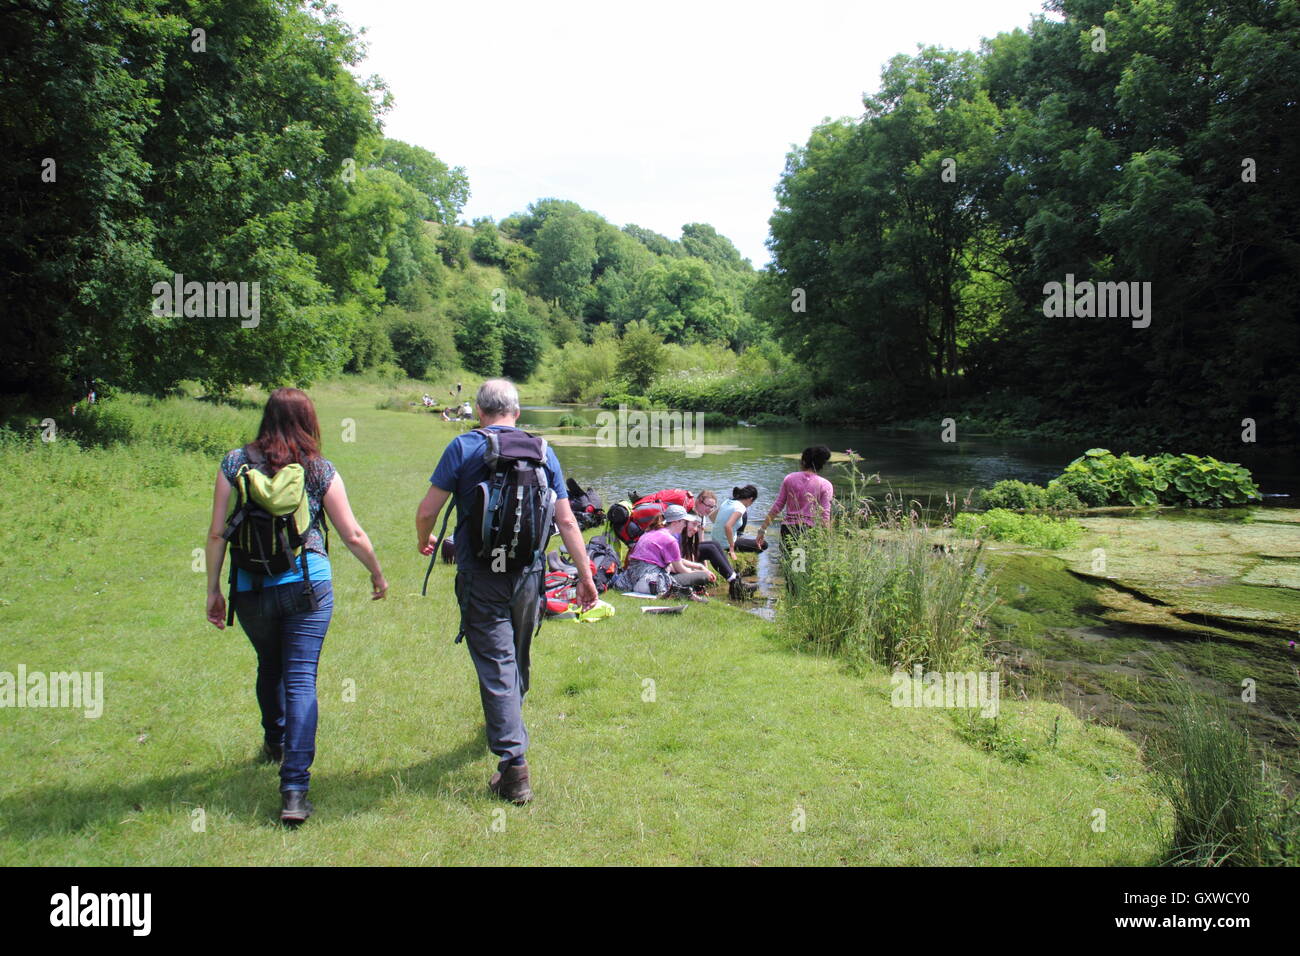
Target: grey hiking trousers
<point>499,613</point>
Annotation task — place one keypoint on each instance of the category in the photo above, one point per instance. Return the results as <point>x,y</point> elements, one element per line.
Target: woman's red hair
<point>290,431</point>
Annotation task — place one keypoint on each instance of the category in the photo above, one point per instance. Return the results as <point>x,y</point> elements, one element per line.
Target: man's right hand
<point>430,545</point>
<point>586,593</point>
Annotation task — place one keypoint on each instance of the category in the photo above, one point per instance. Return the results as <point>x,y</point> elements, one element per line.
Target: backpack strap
<point>446,516</point>
<point>230,600</point>
<point>232,528</point>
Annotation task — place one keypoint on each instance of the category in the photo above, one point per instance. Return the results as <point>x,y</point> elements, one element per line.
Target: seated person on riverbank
<point>729,528</point>
<point>698,543</point>
<point>655,564</point>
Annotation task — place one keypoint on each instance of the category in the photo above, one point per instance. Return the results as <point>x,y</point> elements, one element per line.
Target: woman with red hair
<point>275,611</point>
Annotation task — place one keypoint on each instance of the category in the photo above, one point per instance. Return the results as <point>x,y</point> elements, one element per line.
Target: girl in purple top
<point>655,564</point>
<point>805,496</point>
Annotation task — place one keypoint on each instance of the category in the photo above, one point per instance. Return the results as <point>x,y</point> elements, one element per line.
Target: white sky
<point>659,114</point>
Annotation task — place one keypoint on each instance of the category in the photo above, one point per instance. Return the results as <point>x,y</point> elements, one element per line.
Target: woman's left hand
<point>217,609</point>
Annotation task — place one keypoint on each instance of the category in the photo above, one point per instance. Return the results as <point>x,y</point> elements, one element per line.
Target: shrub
<point>1014,495</point>
<point>1025,496</point>
<point>639,402</point>
<point>423,345</point>
<point>1039,531</point>
<point>769,418</point>
<point>570,420</point>
<point>1083,486</point>
<point>1060,498</point>
<point>177,423</point>
<point>523,341</point>
<point>734,395</point>
<point>1099,477</point>
<point>640,355</point>
<point>480,340</point>
<point>718,420</point>
<point>371,347</point>
<point>1197,480</point>
<point>583,373</point>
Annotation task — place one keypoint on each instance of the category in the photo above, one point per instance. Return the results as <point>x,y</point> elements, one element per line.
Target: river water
<point>915,465</point>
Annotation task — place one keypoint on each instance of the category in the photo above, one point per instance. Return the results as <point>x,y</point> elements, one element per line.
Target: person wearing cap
<point>656,558</point>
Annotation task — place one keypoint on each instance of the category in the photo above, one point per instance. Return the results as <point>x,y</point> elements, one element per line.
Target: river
<point>1084,648</point>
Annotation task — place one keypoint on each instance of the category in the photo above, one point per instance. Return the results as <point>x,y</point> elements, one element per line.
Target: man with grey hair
<point>500,610</point>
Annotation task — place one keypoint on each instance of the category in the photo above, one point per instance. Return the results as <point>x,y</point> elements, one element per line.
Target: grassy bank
<point>745,736</point>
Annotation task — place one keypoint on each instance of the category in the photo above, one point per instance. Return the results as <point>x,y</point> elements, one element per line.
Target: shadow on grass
<point>247,790</point>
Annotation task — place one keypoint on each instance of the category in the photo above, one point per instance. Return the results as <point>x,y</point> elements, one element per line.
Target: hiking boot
<point>740,590</point>
<point>273,753</point>
<point>512,784</point>
<point>294,807</point>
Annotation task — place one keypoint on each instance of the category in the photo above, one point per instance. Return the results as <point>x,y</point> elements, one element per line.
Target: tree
<point>176,161</point>
<point>640,356</point>
<point>523,337</point>
<point>682,303</point>
<point>446,188</point>
<point>486,246</point>
<point>566,255</point>
<point>479,339</point>
<point>423,344</point>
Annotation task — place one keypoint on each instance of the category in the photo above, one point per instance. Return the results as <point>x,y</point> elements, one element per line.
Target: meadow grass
<point>746,733</point>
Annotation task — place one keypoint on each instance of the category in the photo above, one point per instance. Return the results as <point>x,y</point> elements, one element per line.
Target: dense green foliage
<point>924,234</point>
<point>141,143</point>
<point>1038,531</point>
<point>1098,477</point>
<point>1026,496</point>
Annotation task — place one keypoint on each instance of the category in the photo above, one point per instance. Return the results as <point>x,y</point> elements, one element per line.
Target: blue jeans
<point>287,635</point>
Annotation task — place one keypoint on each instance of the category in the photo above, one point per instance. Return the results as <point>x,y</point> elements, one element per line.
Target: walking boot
<point>512,784</point>
<point>294,807</point>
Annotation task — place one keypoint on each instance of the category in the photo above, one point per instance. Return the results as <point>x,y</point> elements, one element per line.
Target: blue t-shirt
<point>460,470</point>
<point>729,507</point>
<point>319,472</point>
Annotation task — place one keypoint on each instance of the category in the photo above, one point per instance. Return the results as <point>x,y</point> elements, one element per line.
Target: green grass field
<point>750,752</point>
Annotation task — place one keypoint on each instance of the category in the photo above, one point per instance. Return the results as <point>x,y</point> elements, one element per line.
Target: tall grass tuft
<point>1228,809</point>
<point>887,596</point>
<point>876,587</point>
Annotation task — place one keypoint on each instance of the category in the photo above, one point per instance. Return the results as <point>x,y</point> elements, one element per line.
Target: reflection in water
<point>909,465</point>
<point>912,464</point>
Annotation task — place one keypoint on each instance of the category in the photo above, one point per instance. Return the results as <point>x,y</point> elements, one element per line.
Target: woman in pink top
<point>805,496</point>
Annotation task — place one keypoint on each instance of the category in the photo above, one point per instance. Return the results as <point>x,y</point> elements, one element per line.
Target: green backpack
<point>268,526</point>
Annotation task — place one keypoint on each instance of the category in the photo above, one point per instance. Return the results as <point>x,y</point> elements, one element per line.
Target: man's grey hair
<point>498,396</point>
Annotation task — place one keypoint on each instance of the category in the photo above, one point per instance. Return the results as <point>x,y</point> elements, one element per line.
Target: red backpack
<point>645,509</point>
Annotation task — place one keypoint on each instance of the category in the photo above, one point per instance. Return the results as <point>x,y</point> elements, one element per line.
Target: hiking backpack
<point>604,562</point>
<point>267,528</point>
<point>629,520</point>
<point>510,516</point>
<point>587,506</point>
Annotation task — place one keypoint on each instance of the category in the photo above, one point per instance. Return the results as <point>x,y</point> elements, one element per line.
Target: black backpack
<point>604,562</point>
<point>510,516</point>
<point>587,506</point>
<point>268,527</point>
